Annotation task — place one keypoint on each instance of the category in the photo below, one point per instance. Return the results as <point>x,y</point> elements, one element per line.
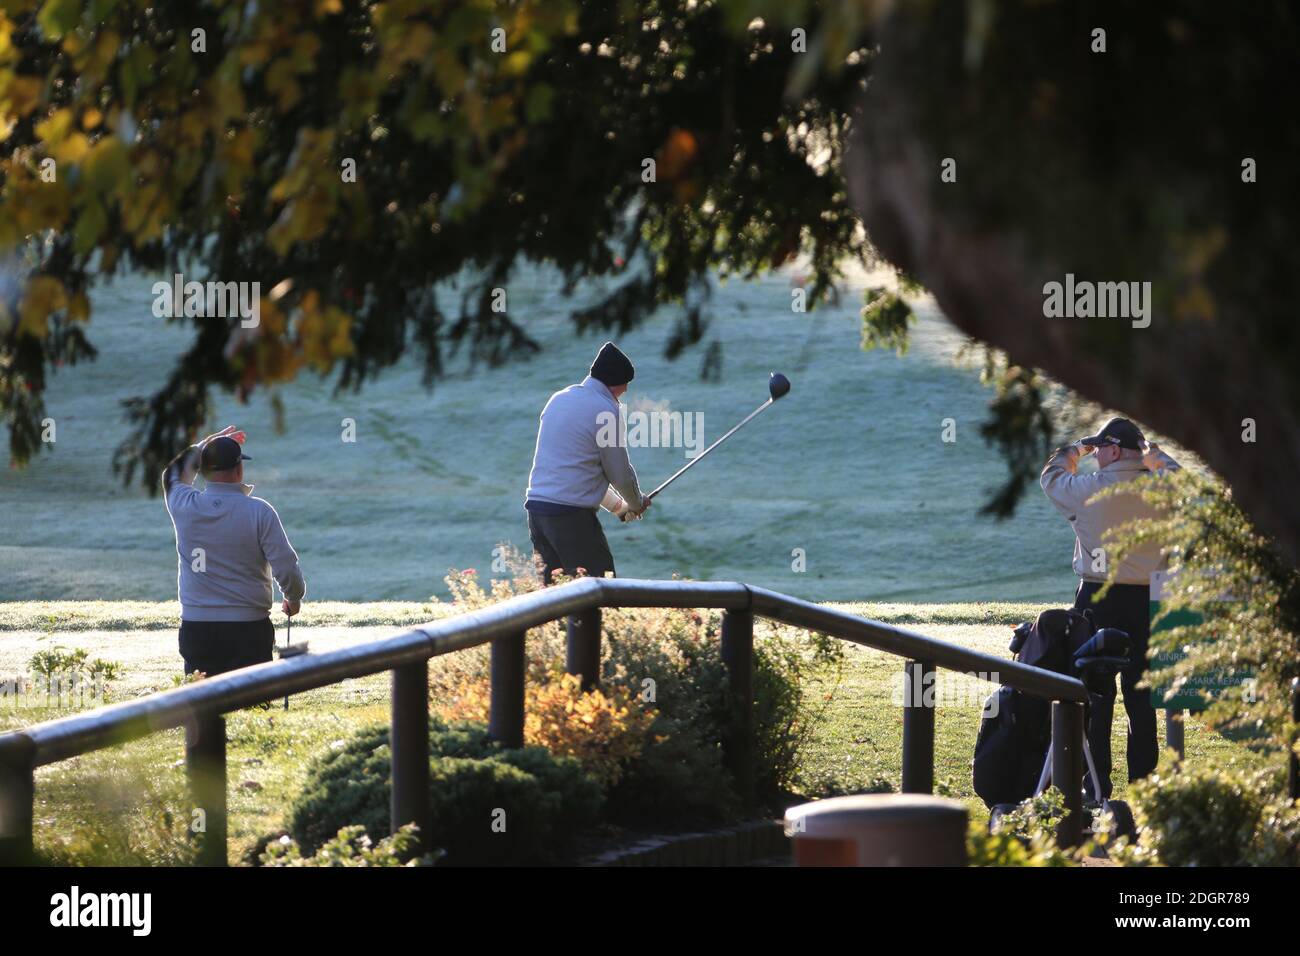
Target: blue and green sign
<point>1197,693</point>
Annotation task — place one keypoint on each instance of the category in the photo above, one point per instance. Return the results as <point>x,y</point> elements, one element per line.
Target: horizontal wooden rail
<point>912,646</point>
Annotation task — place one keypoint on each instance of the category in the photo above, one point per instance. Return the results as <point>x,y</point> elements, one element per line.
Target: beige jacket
<point>1071,493</point>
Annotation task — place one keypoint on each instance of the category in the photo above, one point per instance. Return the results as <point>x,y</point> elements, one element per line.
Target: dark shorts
<point>214,647</point>
<point>573,543</point>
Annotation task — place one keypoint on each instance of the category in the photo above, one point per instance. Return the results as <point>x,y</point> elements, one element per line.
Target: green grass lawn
<point>113,801</point>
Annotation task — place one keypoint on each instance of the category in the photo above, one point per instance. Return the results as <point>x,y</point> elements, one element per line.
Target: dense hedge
<point>488,805</point>
<point>1213,816</point>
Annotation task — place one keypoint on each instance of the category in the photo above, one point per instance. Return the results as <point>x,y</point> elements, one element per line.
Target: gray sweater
<point>229,545</point>
<point>581,450</point>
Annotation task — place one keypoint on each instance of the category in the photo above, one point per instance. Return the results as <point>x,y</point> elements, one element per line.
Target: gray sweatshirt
<point>229,545</point>
<point>582,451</point>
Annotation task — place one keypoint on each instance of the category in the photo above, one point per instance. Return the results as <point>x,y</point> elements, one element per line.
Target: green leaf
<point>57,17</point>
<point>90,226</point>
<point>537,108</point>
<point>106,165</point>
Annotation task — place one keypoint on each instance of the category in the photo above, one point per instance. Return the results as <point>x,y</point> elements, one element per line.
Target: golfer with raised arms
<point>1123,455</point>
<point>580,465</point>
<point>229,545</point>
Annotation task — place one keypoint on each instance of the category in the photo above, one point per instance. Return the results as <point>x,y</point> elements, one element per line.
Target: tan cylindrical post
<point>882,829</point>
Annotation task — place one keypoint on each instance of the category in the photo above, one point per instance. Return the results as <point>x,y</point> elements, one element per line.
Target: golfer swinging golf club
<point>228,545</point>
<point>579,466</point>
<point>1123,455</point>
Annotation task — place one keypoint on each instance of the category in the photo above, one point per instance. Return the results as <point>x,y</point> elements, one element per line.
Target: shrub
<point>680,779</point>
<point>1207,817</point>
<point>1245,594</point>
<point>784,719</point>
<point>603,729</point>
<point>490,812</point>
<point>1024,837</point>
<point>350,847</point>
<point>546,800</point>
<point>579,797</point>
<point>668,663</point>
<point>65,676</point>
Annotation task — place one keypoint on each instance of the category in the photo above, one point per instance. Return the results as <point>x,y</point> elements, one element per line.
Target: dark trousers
<point>1127,607</point>
<point>573,543</point>
<point>214,647</point>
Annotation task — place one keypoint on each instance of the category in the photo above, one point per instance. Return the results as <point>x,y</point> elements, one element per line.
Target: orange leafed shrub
<point>604,730</point>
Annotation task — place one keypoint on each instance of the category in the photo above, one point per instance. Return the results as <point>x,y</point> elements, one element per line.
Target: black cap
<point>612,367</point>
<point>1117,431</point>
<point>222,454</point>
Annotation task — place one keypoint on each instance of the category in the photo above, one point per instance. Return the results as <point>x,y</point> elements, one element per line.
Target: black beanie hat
<point>612,367</point>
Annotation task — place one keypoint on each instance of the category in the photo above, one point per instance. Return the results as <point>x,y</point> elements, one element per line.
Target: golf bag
<point>1016,730</point>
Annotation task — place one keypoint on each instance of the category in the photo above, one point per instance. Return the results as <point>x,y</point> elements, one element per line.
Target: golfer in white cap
<point>1122,456</point>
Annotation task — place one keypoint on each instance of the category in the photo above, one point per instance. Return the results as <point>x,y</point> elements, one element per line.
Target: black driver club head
<point>778,385</point>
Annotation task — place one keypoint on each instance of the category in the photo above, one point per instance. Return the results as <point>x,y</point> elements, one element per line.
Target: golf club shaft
<point>288,639</point>
<point>681,471</point>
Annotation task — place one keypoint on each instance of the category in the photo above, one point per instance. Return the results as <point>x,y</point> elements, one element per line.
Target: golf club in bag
<point>778,386</point>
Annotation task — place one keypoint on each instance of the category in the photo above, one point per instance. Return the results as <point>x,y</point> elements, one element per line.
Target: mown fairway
<point>850,467</point>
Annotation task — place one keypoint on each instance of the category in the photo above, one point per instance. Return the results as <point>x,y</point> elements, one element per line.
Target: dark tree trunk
<point>1193,381</point>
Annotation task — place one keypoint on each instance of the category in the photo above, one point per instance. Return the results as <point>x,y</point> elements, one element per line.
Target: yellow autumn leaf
<point>55,127</point>
<point>79,308</point>
<point>72,150</point>
<point>273,319</point>
<point>340,344</point>
<point>23,94</point>
<point>44,296</point>
<point>43,206</point>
